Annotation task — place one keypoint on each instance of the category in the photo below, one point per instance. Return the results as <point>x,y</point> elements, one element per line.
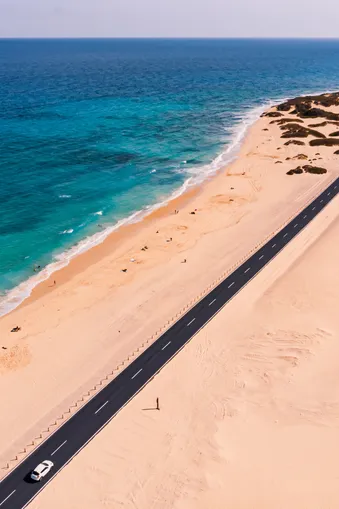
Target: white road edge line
<point>8,497</point>
<point>56,450</point>
<point>136,374</point>
<point>212,302</point>
<point>190,322</point>
<point>262,256</point>
<point>141,388</point>
<point>102,406</point>
<point>163,348</point>
<point>249,268</point>
<point>231,284</point>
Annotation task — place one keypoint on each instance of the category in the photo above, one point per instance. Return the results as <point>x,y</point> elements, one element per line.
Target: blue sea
<point>94,133</point>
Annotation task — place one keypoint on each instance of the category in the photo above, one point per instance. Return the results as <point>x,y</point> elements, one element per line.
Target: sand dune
<point>253,422</point>
<point>97,317</point>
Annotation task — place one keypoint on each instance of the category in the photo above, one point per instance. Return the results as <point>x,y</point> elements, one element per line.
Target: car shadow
<point>28,479</point>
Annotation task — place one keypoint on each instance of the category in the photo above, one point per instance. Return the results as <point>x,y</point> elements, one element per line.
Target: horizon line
<point>195,38</point>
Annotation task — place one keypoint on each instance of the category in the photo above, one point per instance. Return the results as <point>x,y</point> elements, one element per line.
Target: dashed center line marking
<point>212,301</point>
<point>136,374</point>
<point>305,216</point>
<point>56,450</point>
<point>285,235</point>
<point>231,284</point>
<point>190,322</point>
<point>163,348</point>
<point>313,208</point>
<point>296,224</point>
<point>328,194</point>
<point>321,201</point>
<point>274,245</point>
<point>335,187</point>
<point>102,406</point>
<point>8,497</point>
<point>262,256</point>
<point>249,268</point>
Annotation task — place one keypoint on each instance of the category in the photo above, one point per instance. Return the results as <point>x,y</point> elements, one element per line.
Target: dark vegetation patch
<point>336,133</point>
<point>294,142</point>
<point>327,142</point>
<point>295,171</point>
<point>301,156</point>
<point>323,124</point>
<point>303,106</point>
<point>307,168</point>
<point>272,114</point>
<point>299,131</point>
<point>286,120</point>
<point>326,100</point>
<point>314,169</point>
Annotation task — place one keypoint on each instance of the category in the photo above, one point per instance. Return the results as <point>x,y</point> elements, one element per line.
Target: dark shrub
<point>299,131</point>
<point>314,169</point>
<point>272,114</point>
<point>296,171</point>
<point>327,142</point>
<point>294,142</point>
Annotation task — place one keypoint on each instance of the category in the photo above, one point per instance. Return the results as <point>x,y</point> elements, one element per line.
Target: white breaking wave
<point>196,176</point>
<point>65,196</point>
<point>99,213</point>
<point>67,231</point>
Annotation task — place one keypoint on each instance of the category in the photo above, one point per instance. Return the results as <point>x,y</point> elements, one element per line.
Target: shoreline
<point>38,284</point>
<point>101,314</point>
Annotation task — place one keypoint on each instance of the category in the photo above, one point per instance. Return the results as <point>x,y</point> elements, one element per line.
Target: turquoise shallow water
<point>92,131</point>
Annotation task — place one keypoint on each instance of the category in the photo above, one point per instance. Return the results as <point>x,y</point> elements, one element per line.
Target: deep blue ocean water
<point>92,131</point>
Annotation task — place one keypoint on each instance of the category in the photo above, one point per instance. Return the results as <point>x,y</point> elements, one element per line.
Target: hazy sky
<point>169,18</point>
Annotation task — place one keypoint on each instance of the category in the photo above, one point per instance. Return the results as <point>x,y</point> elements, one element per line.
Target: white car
<point>42,470</point>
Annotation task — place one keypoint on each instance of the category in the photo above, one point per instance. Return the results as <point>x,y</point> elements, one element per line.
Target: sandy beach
<point>111,302</point>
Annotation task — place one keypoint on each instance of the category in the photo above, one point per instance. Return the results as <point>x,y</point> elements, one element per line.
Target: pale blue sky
<point>169,18</point>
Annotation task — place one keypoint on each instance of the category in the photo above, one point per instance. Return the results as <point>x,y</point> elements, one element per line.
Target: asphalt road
<point>16,491</point>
